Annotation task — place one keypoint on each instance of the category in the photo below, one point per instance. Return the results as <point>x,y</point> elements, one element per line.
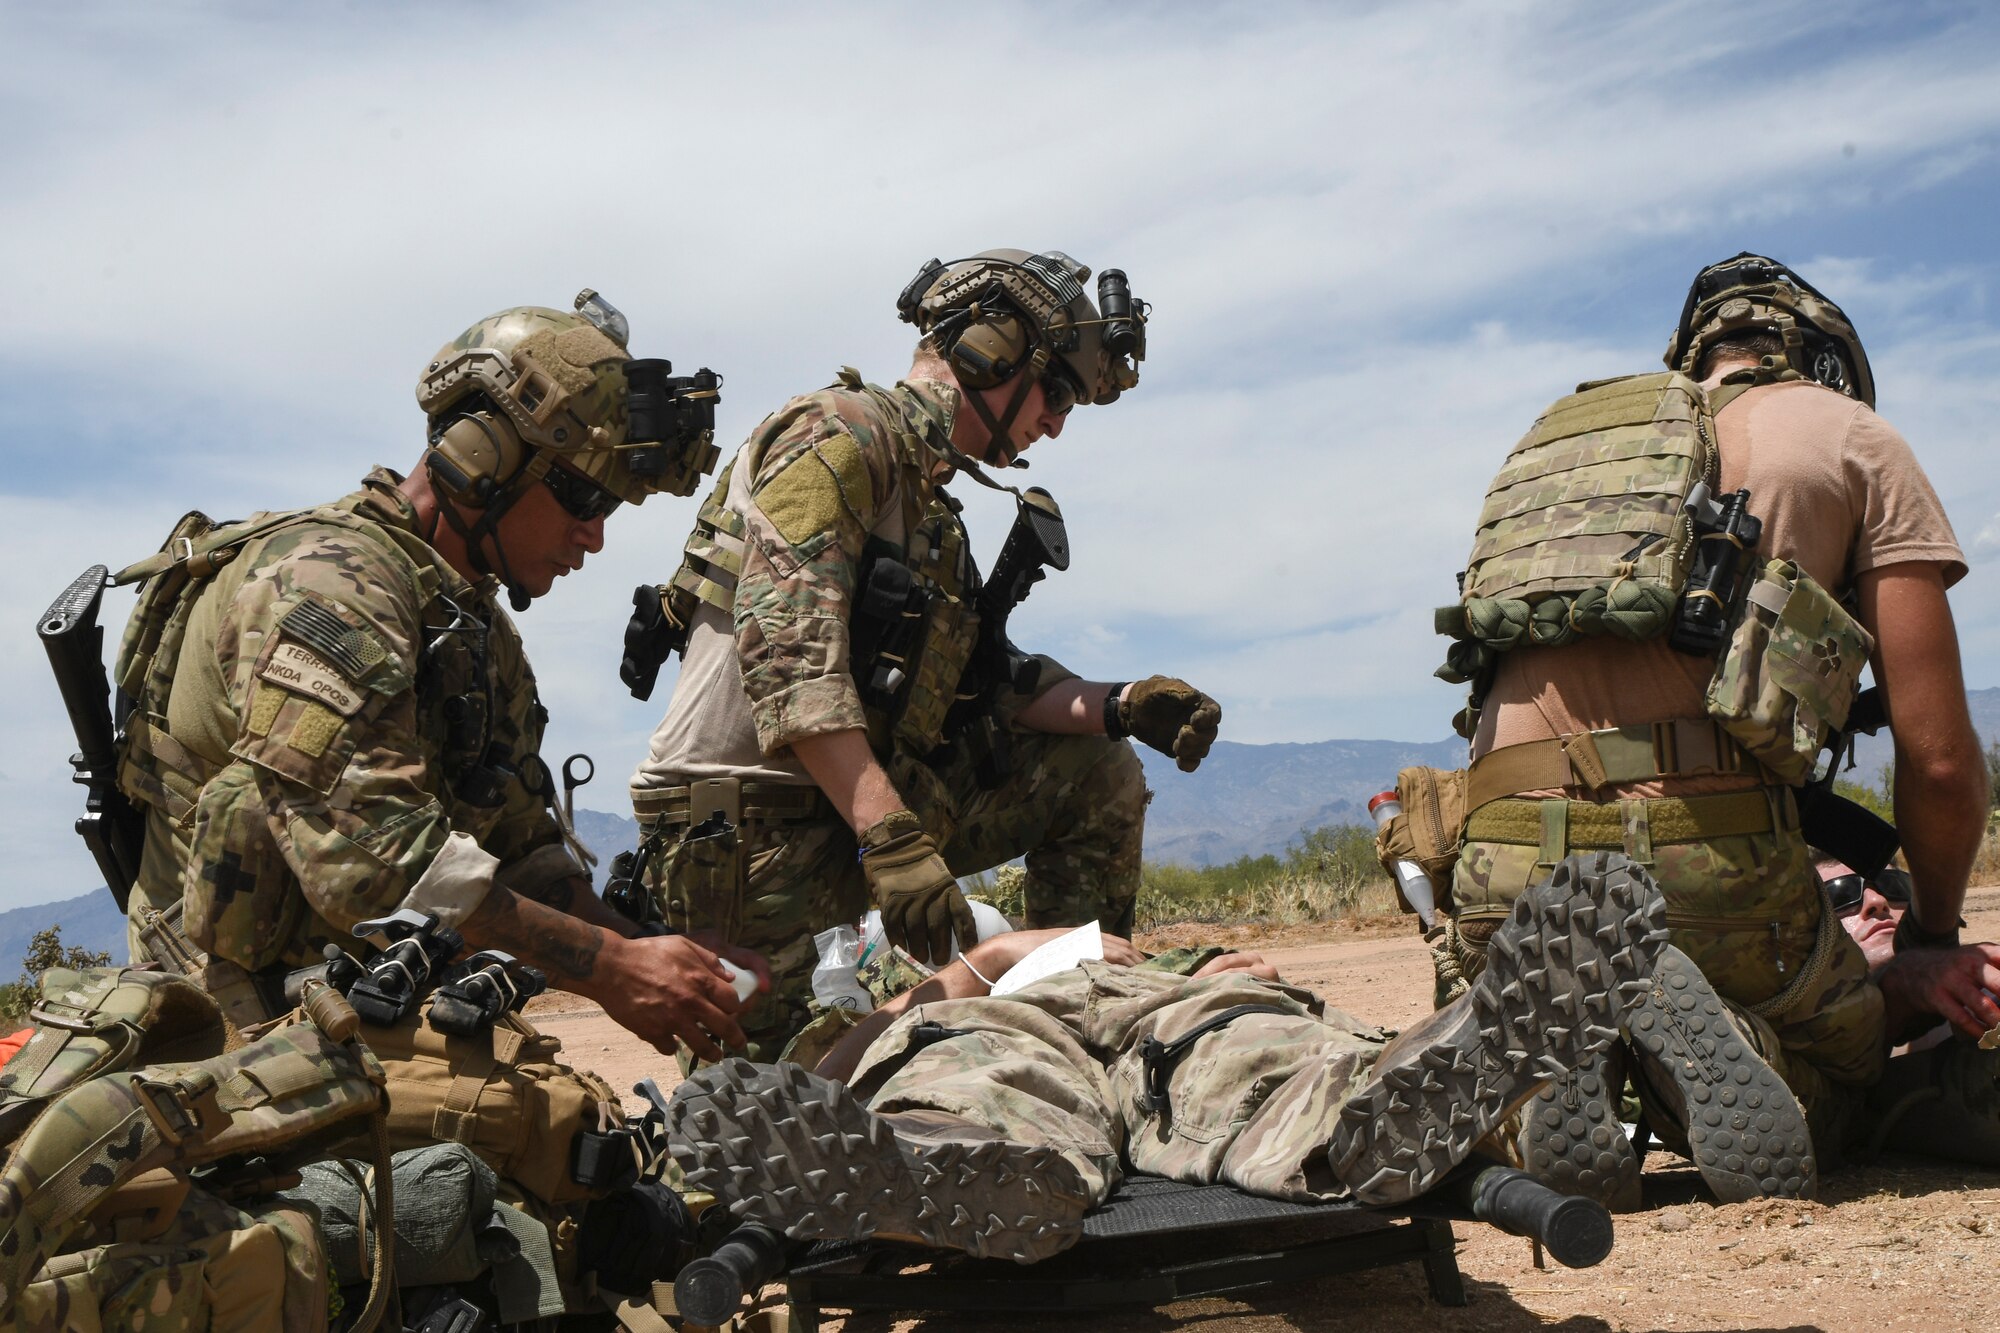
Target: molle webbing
<point>1644,752</point>
<point>1588,825</point>
<point>1605,470</point>
<point>712,560</point>
<point>1585,530</point>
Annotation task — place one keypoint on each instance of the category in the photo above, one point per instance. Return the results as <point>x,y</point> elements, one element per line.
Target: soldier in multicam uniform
<point>806,724</point>
<point>1840,493</point>
<point>992,1123</point>
<point>333,719</point>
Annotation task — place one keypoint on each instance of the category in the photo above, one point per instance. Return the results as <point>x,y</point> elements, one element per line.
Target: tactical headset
<point>475,453</point>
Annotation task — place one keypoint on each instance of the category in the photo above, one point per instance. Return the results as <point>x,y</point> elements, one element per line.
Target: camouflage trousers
<point>1074,807</point>
<point>1746,909</point>
<point>1059,1064</point>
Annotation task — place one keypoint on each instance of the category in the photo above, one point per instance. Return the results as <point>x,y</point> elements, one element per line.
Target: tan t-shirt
<point>1838,490</point>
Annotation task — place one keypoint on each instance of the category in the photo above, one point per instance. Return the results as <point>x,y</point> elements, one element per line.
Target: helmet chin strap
<point>997,428</point>
<point>484,529</point>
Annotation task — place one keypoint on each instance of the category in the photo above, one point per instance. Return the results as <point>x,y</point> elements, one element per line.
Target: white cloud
<point>233,239</point>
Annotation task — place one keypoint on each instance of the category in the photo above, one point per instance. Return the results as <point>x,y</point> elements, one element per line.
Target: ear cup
<point>475,455</point>
<point>989,351</point>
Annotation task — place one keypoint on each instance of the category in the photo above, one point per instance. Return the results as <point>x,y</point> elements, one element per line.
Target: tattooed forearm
<point>541,935</point>
<point>559,894</point>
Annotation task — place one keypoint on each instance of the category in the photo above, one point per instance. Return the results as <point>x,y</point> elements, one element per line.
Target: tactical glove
<point>1173,717</point>
<point>921,905</point>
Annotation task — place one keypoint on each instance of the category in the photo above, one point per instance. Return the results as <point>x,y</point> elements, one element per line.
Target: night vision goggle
<point>666,415</point>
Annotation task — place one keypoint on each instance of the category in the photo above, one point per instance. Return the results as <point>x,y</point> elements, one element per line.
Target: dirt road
<point>1902,1243</point>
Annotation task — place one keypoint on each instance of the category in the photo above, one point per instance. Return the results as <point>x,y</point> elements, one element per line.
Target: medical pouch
<point>1790,672</point>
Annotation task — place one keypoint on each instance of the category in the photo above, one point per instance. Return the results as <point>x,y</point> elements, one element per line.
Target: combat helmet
<point>529,385</point>
<point>1000,313</point>
<point>1753,291</point>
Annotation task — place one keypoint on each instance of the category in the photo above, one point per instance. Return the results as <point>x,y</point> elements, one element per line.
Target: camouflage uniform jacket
<point>334,703</point>
<point>826,484</point>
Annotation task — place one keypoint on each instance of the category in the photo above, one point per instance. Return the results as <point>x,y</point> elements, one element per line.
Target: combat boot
<point>1745,1130</point>
<point>1572,1139</point>
<point>801,1154</point>
<point>1562,971</point>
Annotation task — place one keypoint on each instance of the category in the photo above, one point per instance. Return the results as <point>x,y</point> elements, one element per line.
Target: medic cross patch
<point>297,667</point>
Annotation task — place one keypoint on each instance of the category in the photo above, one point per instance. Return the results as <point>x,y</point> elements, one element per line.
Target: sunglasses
<point>1845,890</point>
<point>581,498</point>
<point>1058,391</point>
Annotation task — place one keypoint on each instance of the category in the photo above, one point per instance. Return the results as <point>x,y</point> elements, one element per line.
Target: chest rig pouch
<point>915,625</point>
<point>1605,520</point>
<point>455,687</point>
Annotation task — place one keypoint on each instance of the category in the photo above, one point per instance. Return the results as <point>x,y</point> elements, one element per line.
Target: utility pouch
<point>703,877</point>
<point>502,1093</point>
<point>1431,828</point>
<point>951,628</point>
<point>1791,670</point>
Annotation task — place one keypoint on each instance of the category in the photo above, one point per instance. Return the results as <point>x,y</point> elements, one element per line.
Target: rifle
<point>1836,825</point>
<point>111,826</point>
<point>1037,543</point>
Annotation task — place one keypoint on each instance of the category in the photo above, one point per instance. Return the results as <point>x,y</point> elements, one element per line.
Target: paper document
<point>1058,955</point>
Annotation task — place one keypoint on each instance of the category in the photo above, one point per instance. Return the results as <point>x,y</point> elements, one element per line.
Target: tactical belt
<point>1678,748</point>
<point>1584,824</point>
<point>763,803</point>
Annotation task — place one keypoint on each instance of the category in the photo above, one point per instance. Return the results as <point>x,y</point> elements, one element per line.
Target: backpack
<point>104,1222</point>
<point>1590,528</point>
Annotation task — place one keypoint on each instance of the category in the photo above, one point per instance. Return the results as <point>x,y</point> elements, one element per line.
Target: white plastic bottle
<point>1410,877</point>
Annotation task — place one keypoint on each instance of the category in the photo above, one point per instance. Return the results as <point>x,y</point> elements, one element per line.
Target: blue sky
<point>1378,239</point>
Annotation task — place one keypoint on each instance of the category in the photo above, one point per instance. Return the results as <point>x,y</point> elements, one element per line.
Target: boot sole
<point>1573,1141</point>
<point>1575,955</point>
<point>1745,1129</point>
<point>802,1155</point>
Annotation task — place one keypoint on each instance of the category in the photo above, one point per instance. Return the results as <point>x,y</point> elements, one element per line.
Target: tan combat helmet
<point>1756,292</point>
<point>1002,312</point>
<point>530,384</point>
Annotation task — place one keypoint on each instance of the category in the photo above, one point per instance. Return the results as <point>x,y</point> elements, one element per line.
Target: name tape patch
<point>297,667</point>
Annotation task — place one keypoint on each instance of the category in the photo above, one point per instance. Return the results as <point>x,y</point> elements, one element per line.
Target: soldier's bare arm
<point>1941,786</point>
<point>659,988</point>
<point>1957,985</point>
<point>575,896</point>
<point>847,771</point>
<point>1067,708</point>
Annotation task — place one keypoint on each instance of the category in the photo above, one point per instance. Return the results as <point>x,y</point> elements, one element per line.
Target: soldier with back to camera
<point>1676,583</point>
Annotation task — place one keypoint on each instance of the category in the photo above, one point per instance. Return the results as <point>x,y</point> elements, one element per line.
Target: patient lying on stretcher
<point>989,1123</point>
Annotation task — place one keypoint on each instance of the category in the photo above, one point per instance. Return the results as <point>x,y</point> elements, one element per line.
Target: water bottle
<point>1410,877</point>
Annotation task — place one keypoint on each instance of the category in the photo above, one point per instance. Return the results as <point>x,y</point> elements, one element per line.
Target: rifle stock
<point>110,826</point>
<point>1037,543</point>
